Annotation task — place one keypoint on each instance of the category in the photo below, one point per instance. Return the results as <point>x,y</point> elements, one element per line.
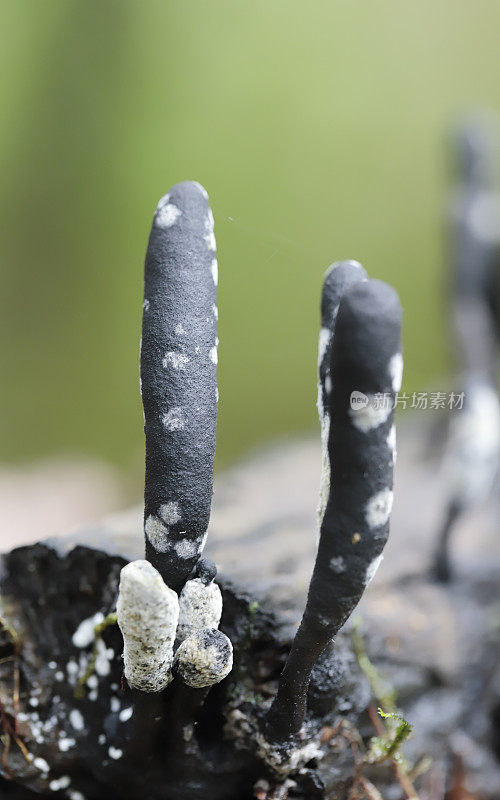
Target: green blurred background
<point>318,129</point>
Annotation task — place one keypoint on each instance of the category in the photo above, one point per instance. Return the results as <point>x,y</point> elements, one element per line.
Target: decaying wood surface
<point>437,645</point>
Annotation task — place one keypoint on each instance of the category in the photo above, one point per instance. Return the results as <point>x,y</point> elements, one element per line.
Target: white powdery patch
<point>170,513</point>
<point>174,420</point>
<point>203,661</point>
<point>60,783</point>
<point>215,271</point>
<point>371,416</point>
<point>166,214</point>
<point>115,753</point>
<point>145,305</point>
<point>200,606</point>
<point>157,533</point>
<point>396,371</point>
<point>186,548</point>
<point>76,719</point>
<point>378,508</point>
<point>41,764</point>
<point>126,714</point>
<point>176,360</point>
<point>148,613</point>
<point>215,312</point>
<point>213,354</point>
<point>372,568</point>
<point>179,330</point>
<point>84,634</point>
<point>391,443</point>
<point>337,564</point>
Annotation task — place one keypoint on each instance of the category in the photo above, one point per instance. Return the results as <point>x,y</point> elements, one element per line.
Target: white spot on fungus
<point>176,360</point>
<point>391,442</point>
<point>186,548</point>
<point>166,215</point>
<point>170,513</point>
<point>179,330</point>
<point>371,416</point>
<point>173,420</point>
<point>337,564</point>
<point>378,508</point>
<point>157,533</point>
<point>396,371</point>
<point>145,305</point>
<point>372,568</point>
<point>115,753</point>
<point>41,764</point>
<point>215,271</point>
<point>213,354</point>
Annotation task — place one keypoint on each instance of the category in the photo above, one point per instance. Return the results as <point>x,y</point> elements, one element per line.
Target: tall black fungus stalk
<point>365,370</point>
<point>178,375</point>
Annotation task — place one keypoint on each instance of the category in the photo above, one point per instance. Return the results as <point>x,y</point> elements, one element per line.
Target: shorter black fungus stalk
<point>356,402</point>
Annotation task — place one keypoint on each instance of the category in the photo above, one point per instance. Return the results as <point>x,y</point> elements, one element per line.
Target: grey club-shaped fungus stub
<point>200,602</point>
<point>147,612</point>
<point>204,658</point>
<point>366,364</point>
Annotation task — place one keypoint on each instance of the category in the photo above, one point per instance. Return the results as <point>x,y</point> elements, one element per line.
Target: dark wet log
<point>438,646</point>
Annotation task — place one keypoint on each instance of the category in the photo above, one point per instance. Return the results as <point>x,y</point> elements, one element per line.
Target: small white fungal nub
<point>148,612</point>
<point>200,606</point>
<point>205,658</point>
